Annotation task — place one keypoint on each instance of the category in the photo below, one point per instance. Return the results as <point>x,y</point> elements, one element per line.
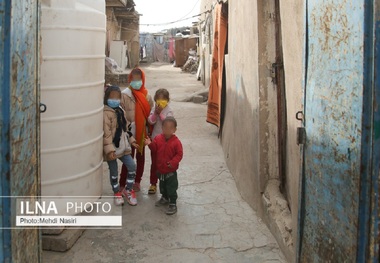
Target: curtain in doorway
<point>220,38</point>
<point>158,51</point>
<point>171,50</point>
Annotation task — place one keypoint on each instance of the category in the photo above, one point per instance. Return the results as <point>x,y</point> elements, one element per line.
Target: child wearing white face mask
<point>160,111</point>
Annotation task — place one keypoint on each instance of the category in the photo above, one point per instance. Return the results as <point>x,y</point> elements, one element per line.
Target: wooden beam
<point>116,3</point>
<point>124,13</point>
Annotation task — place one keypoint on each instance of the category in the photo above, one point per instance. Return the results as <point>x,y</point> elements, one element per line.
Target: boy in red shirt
<point>168,149</point>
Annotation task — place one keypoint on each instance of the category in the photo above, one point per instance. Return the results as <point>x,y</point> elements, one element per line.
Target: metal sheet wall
<point>19,123</point>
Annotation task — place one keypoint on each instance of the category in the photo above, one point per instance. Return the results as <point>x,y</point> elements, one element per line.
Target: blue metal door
<point>19,124</point>
<point>339,193</point>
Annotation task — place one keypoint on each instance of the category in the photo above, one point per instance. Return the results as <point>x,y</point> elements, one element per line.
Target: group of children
<point>132,121</point>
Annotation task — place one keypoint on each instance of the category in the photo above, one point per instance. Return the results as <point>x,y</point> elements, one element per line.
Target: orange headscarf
<point>142,111</point>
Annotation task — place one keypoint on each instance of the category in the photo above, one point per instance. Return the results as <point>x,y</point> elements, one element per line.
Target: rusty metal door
<point>180,52</point>
<point>339,194</point>
<point>19,124</point>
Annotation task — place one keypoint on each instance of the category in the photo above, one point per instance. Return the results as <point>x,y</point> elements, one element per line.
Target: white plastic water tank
<point>72,80</point>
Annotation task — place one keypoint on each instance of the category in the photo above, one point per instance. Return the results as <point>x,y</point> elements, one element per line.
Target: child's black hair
<point>170,119</point>
<point>108,92</point>
<point>136,71</point>
<point>163,92</point>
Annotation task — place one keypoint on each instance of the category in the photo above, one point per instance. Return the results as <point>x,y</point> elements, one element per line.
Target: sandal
<point>152,189</point>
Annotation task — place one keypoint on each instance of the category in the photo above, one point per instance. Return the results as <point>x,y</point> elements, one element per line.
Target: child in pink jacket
<point>160,111</point>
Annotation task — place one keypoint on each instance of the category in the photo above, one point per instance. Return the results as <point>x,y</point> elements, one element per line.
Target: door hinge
<point>274,70</point>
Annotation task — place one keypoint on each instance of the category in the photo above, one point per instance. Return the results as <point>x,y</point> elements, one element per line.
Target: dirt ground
<point>213,223</point>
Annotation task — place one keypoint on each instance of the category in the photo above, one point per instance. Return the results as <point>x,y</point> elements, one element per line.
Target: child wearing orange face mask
<point>160,111</point>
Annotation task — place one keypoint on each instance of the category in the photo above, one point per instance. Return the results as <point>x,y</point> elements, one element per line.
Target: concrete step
<point>61,242</point>
<point>53,231</point>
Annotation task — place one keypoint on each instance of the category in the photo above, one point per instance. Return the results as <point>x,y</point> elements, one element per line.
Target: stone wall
<point>113,27</point>
<point>130,33</point>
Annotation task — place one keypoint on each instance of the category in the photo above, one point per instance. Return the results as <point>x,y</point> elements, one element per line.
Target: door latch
<point>42,107</point>
<point>301,131</point>
<point>301,136</point>
<point>299,116</point>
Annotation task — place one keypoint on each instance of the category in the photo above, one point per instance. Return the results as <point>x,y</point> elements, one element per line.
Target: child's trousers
<point>140,159</point>
<point>153,169</point>
<point>169,186</point>
<point>128,161</point>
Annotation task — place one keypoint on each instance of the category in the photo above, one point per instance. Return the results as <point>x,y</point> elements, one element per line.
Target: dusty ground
<point>213,223</point>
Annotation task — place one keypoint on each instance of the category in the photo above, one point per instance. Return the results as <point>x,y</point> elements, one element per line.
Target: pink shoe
<point>118,199</point>
<point>130,196</point>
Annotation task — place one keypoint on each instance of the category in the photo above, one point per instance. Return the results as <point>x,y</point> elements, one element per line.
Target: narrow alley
<point>278,113</point>
<point>213,223</point>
